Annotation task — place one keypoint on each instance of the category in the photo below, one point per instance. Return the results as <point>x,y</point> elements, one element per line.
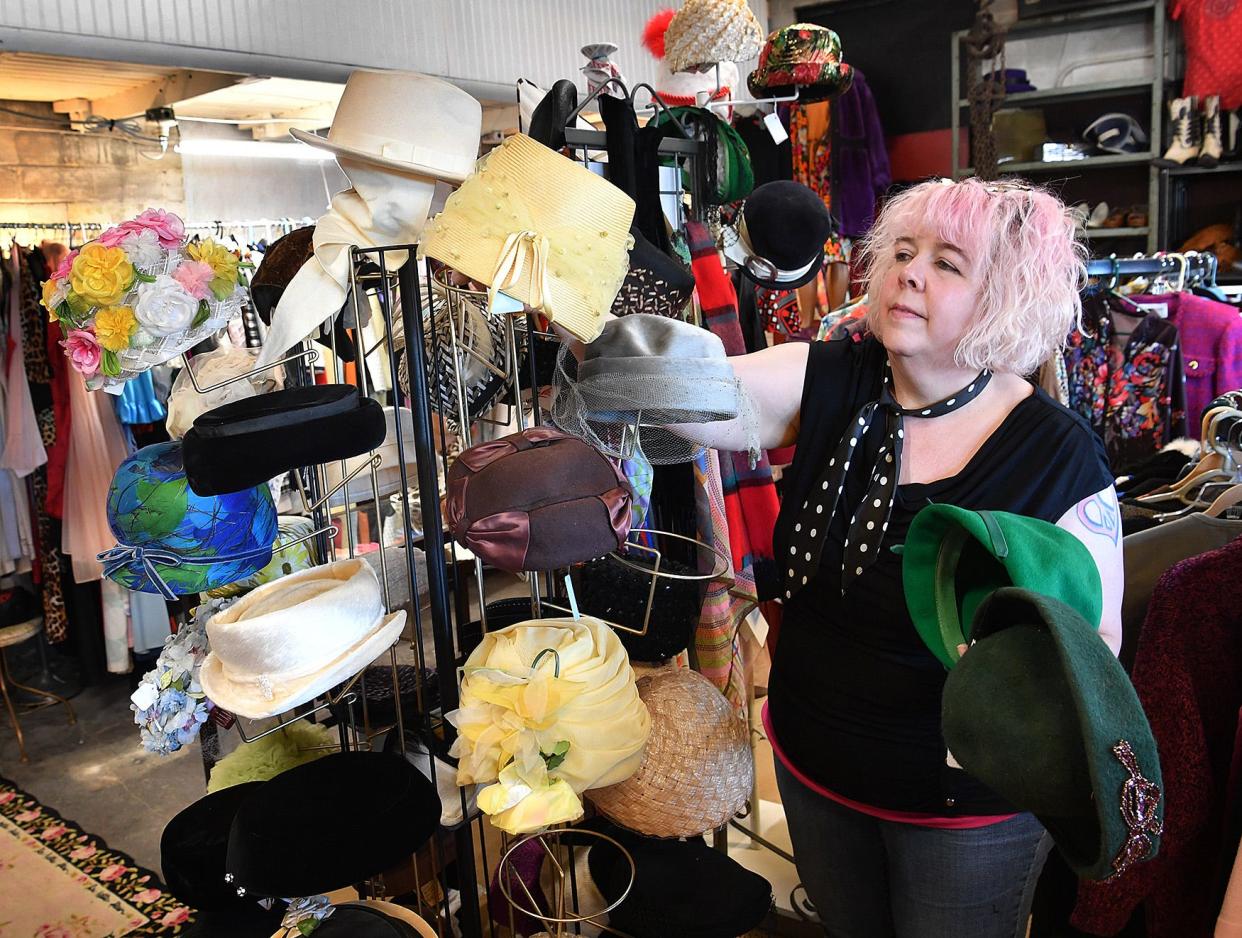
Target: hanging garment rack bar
<point>1162,264</point>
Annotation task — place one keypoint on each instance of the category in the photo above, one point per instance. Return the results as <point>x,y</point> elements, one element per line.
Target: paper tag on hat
<point>775,128</point>
<point>505,304</point>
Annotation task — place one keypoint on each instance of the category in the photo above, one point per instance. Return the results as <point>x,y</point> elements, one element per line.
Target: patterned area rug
<point>57,881</point>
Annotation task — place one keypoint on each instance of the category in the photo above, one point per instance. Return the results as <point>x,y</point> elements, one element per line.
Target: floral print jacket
<point>1133,395</point>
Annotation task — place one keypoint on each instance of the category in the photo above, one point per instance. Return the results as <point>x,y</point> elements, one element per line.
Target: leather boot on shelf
<point>1212,148</point>
<point>1187,130</point>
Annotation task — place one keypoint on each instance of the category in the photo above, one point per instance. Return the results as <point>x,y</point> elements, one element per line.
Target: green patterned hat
<point>174,542</point>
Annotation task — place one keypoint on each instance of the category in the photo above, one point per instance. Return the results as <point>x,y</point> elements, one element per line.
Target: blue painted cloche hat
<point>174,542</point>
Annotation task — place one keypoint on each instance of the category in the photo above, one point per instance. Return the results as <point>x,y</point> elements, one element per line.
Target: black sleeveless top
<point>854,695</point>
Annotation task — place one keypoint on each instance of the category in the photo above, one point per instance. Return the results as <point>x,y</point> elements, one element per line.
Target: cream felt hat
<point>291,640</point>
<point>540,228</point>
<point>406,122</point>
<point>705,32</point>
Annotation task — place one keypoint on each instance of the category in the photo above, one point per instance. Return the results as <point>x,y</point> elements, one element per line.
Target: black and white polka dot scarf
<point>870,519</point>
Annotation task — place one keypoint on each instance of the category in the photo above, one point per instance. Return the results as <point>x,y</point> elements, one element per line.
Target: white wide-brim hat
<point>290,640</point>
<point>404,121</point>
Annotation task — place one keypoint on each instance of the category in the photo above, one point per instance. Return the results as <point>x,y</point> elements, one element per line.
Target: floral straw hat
<point>140,295</point>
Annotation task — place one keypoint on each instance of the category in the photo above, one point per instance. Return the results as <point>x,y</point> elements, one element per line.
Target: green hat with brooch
<point>1041,712</point>
<point>954,558</point>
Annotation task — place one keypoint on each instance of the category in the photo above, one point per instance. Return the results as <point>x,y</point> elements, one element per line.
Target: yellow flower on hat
<point>115,326</point>
<point>54,293</point>
<point>222,262</point>
<point>101,275</point>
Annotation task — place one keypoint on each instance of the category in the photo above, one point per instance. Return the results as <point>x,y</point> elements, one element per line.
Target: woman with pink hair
<point>972,286</point>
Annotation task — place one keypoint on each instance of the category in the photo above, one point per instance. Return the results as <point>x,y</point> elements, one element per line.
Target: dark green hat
<point>1041,712</point>
<point>953,559</point>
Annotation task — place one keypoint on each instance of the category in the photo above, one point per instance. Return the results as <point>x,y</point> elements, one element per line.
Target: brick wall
<point>50,173</point>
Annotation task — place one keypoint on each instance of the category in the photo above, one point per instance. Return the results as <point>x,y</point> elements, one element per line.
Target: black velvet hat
<point>329,824</point>
<point>244,443</point>
<point>192,852</point>
<point>781,234</point>
<point>681,887</point>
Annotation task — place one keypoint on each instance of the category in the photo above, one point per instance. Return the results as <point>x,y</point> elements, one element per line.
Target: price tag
<point>776,128</point>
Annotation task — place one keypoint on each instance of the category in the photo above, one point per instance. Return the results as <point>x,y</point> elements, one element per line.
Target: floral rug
<point>57,881</point>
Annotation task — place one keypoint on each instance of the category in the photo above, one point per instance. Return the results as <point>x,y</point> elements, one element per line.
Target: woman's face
<point>928,297</point>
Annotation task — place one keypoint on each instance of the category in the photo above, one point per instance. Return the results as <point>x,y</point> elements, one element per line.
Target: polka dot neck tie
<point>869,520</point>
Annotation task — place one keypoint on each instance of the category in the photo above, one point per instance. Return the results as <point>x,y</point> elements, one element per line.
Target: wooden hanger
<point>1213,463</point>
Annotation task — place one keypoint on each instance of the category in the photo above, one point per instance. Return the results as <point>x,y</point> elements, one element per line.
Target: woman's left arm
<point>1096,521</point>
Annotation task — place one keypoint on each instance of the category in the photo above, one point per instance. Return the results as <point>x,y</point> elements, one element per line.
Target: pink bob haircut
<point>1022,241</point>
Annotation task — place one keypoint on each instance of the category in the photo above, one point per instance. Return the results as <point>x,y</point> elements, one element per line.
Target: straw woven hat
<point>697,770</point>
<point>541,229</point>
<point>705,32</point>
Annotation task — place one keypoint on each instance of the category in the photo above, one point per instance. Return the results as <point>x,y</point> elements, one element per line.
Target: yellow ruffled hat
<point>540,228</point>
<point>549,709</point>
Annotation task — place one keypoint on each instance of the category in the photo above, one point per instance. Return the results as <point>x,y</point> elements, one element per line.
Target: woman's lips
<point>903,312</point>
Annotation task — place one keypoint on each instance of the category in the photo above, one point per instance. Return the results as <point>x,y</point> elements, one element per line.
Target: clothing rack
<point>1190,264</point>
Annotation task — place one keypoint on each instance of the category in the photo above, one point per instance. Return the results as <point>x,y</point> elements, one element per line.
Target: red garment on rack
<point>1213,33</point>
<point>58,451</point>
<point>1188,674</point>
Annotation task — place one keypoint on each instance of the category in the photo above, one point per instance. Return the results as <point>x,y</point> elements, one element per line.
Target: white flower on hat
<point>143,249</point>
<point>163,306</point>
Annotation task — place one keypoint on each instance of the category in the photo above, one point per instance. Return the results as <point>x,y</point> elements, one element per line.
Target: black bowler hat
<point>681,887</point>
<point>329,824</point>
<point>780,235</point>
<point>244,443</point>
<point>192,852</point>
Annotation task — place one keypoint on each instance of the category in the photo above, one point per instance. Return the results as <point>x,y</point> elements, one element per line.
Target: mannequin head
<point>398,201</point>
<point>974,275</point>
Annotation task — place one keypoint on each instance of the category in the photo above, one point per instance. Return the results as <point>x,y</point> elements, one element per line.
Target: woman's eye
<point>945,265</point>
<point>903,256</point>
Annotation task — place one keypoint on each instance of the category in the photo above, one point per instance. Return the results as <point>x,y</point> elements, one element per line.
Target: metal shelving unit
<point>1102,17</point>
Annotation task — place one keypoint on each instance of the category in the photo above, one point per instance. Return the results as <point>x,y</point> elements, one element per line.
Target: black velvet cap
<point>192,855</point>
<point>547,121</point>
<point>681,887</point>
<point>788,224</point>
<point>331,823</point>
<point>244,443</point>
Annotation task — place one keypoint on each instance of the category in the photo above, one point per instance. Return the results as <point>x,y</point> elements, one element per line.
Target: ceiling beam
<point>164,91</point>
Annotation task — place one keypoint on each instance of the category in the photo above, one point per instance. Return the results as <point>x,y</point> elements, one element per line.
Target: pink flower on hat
<point>169,228</point>
<point>114,236</point>
<point>51,833</point>
<point>112,872</point>
<point>195,277</point>
<point>7,797</point>
<point>27,816</point>
<point>147,895</point>
<point>66,266</point>
<point>83,350</point>
<point>83,853</point>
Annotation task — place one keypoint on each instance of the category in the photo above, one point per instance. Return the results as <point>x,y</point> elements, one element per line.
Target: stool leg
<point>39,692</point>
<point>8,705</point>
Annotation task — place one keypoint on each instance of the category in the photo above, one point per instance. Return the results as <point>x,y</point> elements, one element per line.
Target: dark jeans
<point>869,878</point>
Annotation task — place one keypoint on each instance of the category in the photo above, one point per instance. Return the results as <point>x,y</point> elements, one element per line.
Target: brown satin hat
<point>537,500</point>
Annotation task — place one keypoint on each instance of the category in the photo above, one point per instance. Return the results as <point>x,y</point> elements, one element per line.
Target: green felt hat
<point>1041,712</point>
<point>953,559</point>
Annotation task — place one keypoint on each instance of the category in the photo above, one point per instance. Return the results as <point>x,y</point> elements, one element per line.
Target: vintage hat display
<point>193,848</point>
<point>1041,712</point>
<point>778,239</point>
<point>804,57</point>
<point>540,228</point>
<point>536,500</point>
<point>185,403</point>
<point>173,541</point>
<point>549,709</point>
<point>406,122</point>
<point>697,770</point>
<point>292,836</point>
<point>953,559</point>
<point>655,283</point>
<point>680,887</point>
<point>250,441</point>
<point>706,32</point>
<point>291,640</point>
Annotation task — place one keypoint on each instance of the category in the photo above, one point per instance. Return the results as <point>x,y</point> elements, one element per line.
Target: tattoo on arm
<point>1099,515</point>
